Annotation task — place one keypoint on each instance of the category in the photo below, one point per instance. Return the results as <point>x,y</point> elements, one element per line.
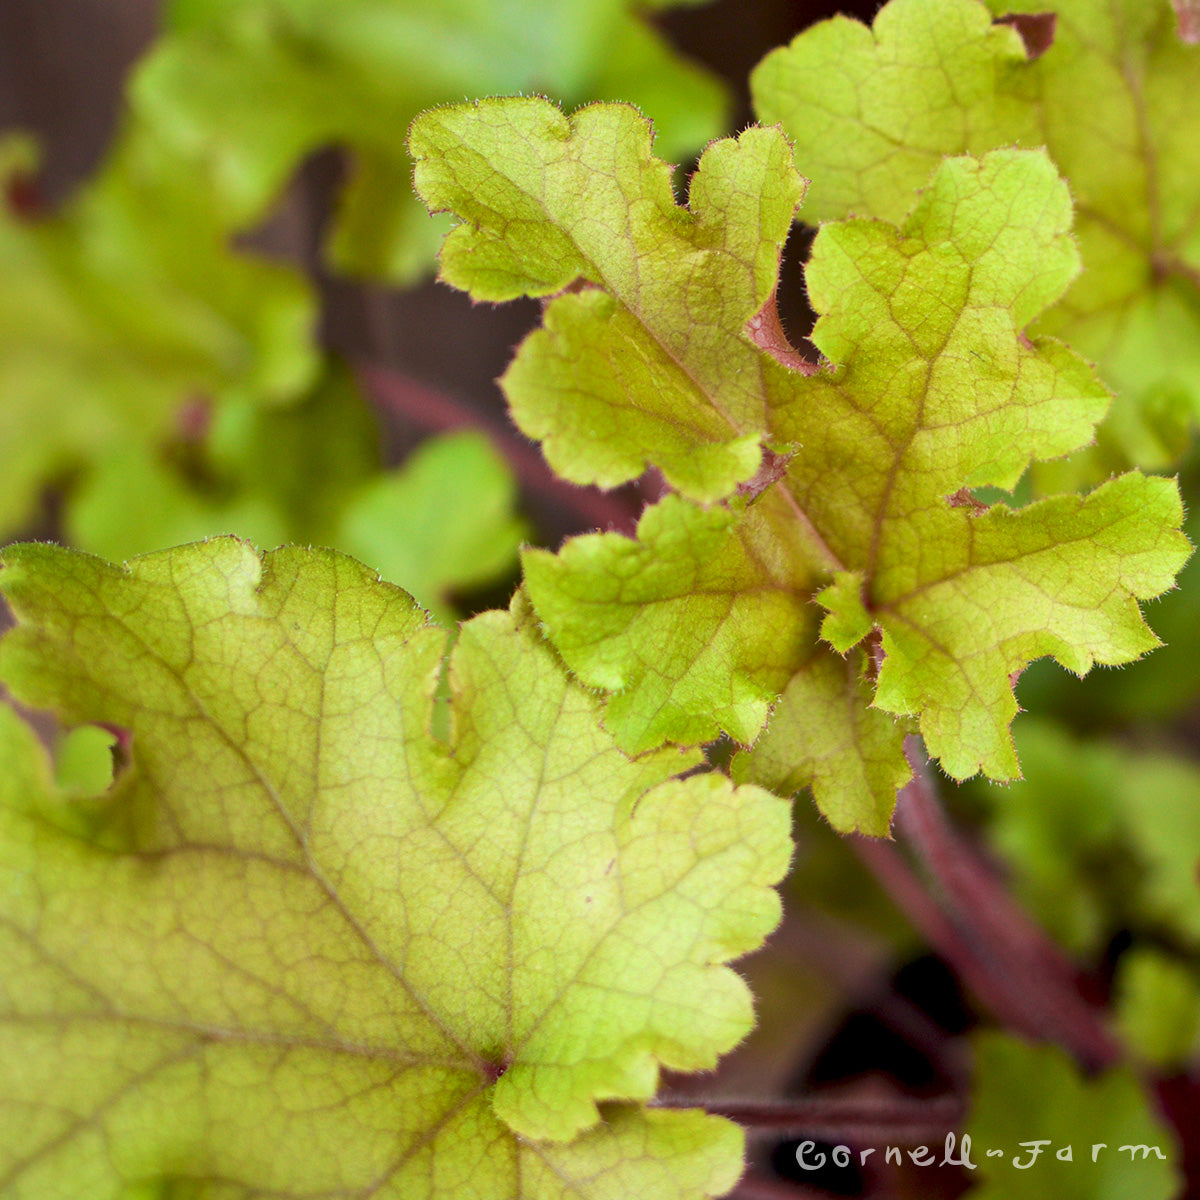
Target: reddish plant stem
<point>429,409</point>
<point>757,1185</point>
<point>969,883</point>
<point>907,1019</point>
<point>913,899</point>
<point>1001,954</point>
<point>836,1119</point>
<point>1039,971</point>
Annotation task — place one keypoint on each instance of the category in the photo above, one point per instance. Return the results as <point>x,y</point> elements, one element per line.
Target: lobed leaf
<point>300,919</point>
<point>647,362</point>
<point>864,506</point>
<point>695,625</point>
<point>872,110</point>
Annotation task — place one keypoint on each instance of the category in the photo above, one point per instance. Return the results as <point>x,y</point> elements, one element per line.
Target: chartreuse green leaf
<point>695,625</point>
<point>1153,689</point>
<point>708,616</point>
<point>826,734</point>
<point>649,364</point>
<point>124,308</point>
<point>1026,1094</point>
<point>245,89</point>
<point>871,111</point>
<point>300,920</point>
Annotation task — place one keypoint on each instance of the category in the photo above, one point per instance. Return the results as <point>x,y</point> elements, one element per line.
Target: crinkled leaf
<point>121,310</point>
<point>699,623</point>
<point>245,90</point>
<point>649,363</point>
<point>1154,688</point>
<point>298,920</point>
<point>1023,1093</point>
<point>826,734</point>
<point>695,624</point>
<point>871,110</point>
<point>1058,578</point>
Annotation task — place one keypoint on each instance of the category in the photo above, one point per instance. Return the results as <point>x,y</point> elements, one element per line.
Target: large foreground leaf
<point>304,947</point>
<point>666,349</point>
<point>871,111</point>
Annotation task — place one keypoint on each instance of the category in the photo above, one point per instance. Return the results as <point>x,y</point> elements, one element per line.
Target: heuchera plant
<point>373,909</point>
<point>667,349</point>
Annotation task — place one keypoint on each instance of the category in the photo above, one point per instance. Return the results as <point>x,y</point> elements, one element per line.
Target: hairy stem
<point>972,920</point>
<point>757,1185</point>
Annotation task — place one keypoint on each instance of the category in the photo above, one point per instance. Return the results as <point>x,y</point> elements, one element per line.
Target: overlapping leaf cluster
<point>846,483</point>
<point>301,919</point>
<point>432,919</point>
<point>871,111</point>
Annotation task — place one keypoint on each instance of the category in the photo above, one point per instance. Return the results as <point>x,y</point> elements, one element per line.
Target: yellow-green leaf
<point>301,920</point>
<point>930,388</point>
<point>871,111</point>
<point>648,362</point>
